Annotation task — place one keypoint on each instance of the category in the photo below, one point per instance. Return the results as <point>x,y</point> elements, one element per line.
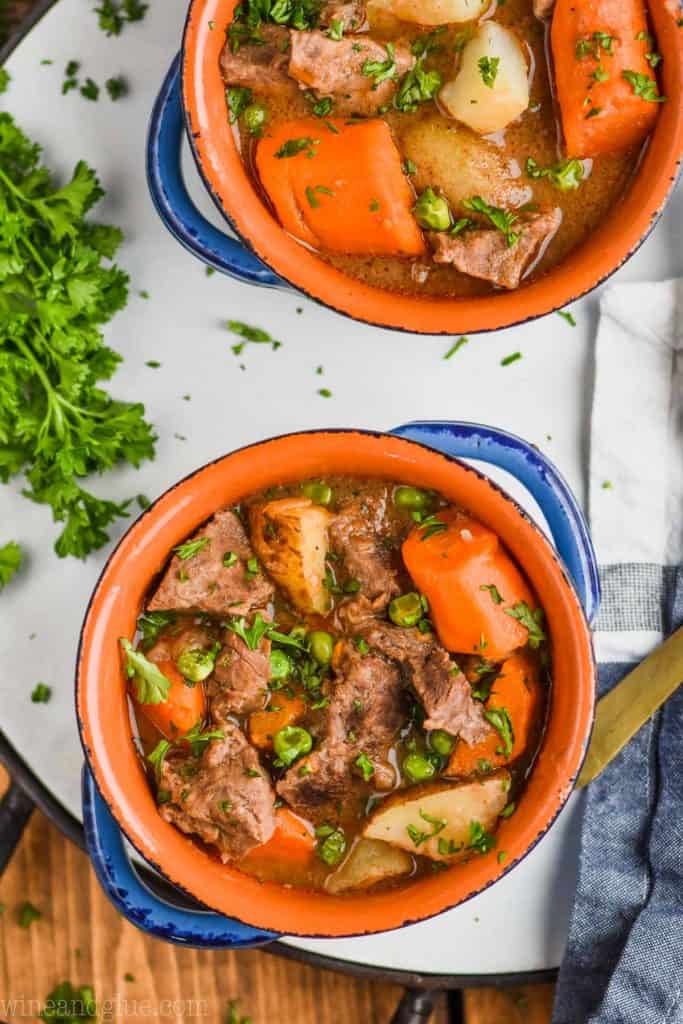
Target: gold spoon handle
<point>622,711</point>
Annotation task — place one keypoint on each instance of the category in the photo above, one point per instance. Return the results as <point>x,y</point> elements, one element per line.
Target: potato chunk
<point>371,861</point>
<point>461,162</point>
<point>491,87</point>
<point>441,820</point>
<point>437,12</point>
<point>290,539</point>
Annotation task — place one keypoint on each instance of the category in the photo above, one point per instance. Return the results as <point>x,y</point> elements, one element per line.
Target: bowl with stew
<point>337,682</point>
<point>436,167</point>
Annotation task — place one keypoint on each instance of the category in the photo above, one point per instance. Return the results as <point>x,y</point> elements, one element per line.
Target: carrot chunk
<point>292,840</point>
<point>606,88</point>
<point>183,708</point>
<point>470,583</point>
<point>283,711</point>
<point>340,186</point>
<point>517,691</point>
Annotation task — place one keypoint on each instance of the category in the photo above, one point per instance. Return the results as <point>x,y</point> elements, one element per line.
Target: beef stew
<point>340,684</point>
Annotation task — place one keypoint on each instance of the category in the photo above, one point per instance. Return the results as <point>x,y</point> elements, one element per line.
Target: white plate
<point>379,379</point>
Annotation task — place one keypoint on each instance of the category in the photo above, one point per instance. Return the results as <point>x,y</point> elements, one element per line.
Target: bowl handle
<point>137,903</point>
<point>172,200</point>
<point>540,477</point>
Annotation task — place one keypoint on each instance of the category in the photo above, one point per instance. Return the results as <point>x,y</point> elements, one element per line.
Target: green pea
<point>280,665</point>
<point>320,493</point>
<point>432,212</point>
<point>291,743</point>
<point>412,497</point>
<point>322,645</point>
<point>441,741</point>
<point>196,663</point>
<point>419,768</point>
<point>406,610</point>
<point>255,117</point>
<point>332,847</point>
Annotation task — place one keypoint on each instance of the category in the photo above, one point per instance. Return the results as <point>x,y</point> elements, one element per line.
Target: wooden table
<point>81,938</point>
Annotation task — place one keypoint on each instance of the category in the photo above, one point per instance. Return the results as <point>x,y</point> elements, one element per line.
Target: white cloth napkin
<point>636,463</point>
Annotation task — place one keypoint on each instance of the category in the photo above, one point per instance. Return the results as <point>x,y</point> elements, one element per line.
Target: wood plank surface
<point>81,938</point>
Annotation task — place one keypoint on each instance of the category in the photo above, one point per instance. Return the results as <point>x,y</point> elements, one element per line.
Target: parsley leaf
<point>151,685</point>
<point>114,14</point>
<point>10,556</point>
<point>566,176</point>
<point>501,219</point>
<point>238,97</point>
<point>480,839</point>
<point>381,70</point>
<point>68,1004</point>
<point>533,621</point>
<point>643,86</point>
<point>150,625</point>
<point>365,765</point>
<point>251,635</point>
<point>488,69</point>
<point>57,424</point>
<point>500,720</point>
<point>493,590</point>
<point>190,548</point>
<point>41,694</point>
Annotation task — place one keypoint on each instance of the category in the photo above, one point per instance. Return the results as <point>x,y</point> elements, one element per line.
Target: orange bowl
<point>604,251</point>
<point>102,703</point>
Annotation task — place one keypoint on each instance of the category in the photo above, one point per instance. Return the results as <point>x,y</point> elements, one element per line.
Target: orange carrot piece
<point>593,43</point>
<point>292,840</point>
<point>469,581</point>
<point>343,189</point>
<point>518,690</point>
<point>183,707</point>
<point>264,724</point>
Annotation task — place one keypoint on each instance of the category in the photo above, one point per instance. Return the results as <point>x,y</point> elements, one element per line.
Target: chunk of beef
<point>204,583</point>
<point>543,8</point>
<point>364,716</point>
<point>260,67</point>
<point>356,535</point>
<point>441,687</point>
<point>485,253</point>
<point>224,797</point>
<point>239,684</point>
<point>351,14</point>
<point>335,68</point>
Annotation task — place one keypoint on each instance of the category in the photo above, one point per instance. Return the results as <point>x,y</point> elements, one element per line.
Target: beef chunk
<point>543,8</point>
<point>224,797</point>
<point>485,253</point>
<point>441,687</point>
<point>356,536</point>
<point>239,684</point>
<point>350,14</point>
<point>204,583</point>
<point>335,68</point>
<point>364,716</point>
<point>260,67</point>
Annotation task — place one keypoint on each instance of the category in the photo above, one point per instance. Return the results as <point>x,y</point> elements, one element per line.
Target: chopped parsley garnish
<point>114,14</point>
<point>41,693</point>
<point>566,315</point>
<point>381,70</point>
<point>10,561</point>
<point>448,847</point>
<point>158,756</point>
<point>249,15</point>
<point>566,176</point>
<point>229,559</point>
<point>430,525</point>
<point>409,167</point>
<point>252,569</point>
<point>500,720</point>
<point>69,1004</point>
<point>252,635</point>
<point>512,358</point>
<point>331,845</point>
<point>593,112</point>
<point>503,220</point>
<point>249,334</point>
<point>238,97</point>
<point>190,548</point>
<point>362,648</point>
<point>234,1017</point>
<point>532,621</point>
<point>417,86</point>
<point>493,590</point>
<point>320,107</point>
<point>28,914</point>
<point>456,346</point>
<point>90,90</point>
<point>488,69</point>
<point>643,86</point>
<point>508,809</point>
<point>150,625</point>
<point>62,425</point>
<point>198,738</point>
<point>292,147</point>
<point>594,45</point>
<point>366,766</point>
<point>116,87</point>
<point>151,685</point>
<point>479,839</point>
<point>418,836</point>
<point>336,29</point>
<point>324,392</point>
